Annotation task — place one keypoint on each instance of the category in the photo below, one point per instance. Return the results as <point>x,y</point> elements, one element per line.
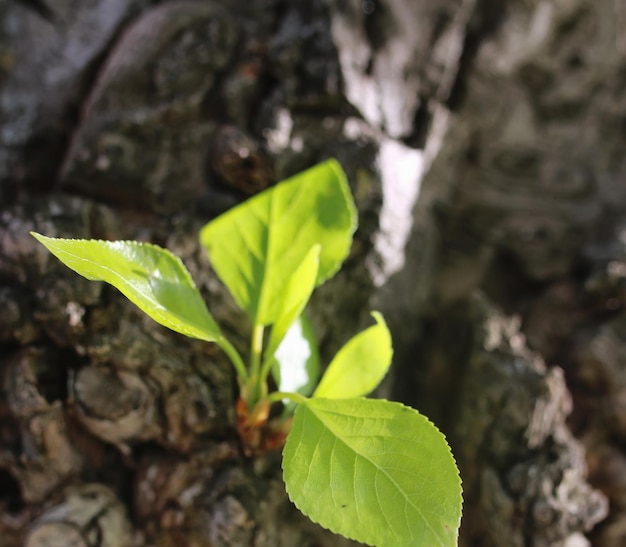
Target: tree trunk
<point>485,145</point>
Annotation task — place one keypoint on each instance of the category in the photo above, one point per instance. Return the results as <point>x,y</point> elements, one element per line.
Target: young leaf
<point>149,276</point>
<point>297,361</point>
<point>360,365</point>
<point>295,296</point>
<point>257,246</point>
<point>373,471</point>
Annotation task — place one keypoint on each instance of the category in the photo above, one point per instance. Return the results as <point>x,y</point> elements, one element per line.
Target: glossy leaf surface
<point>257,246</point>
<point>360,365</point>
<point>374,471</point>
<point>151,277</point>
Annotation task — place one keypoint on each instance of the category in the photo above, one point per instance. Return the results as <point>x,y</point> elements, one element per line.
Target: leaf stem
<point>255,350</point>
<point>234,357</point>
<point>276,396</point>
<point>265,368</point>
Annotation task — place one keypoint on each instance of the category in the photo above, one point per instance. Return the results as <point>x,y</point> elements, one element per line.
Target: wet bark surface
<point>484,142</point>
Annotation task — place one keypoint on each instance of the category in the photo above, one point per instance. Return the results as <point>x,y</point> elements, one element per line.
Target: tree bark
<point>484,143</point>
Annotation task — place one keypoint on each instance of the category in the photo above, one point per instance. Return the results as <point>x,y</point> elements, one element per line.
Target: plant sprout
<point>372,470</point>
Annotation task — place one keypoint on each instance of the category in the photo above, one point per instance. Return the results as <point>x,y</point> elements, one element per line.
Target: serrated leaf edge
<point>427,420</point>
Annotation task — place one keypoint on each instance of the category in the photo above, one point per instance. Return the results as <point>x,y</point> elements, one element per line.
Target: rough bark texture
<point>485,145</point>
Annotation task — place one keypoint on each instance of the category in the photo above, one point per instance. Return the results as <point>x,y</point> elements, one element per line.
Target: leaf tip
<point>378,317</point>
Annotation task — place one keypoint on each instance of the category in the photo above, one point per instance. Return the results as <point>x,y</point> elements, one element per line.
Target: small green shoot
<point>369,469</point>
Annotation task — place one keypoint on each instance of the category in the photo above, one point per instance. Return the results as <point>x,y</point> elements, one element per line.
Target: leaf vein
<point>377,469</point>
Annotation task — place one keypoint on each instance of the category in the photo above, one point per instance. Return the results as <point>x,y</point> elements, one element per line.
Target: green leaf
<point>297,362</point>
<point>360,365</point>
<point>257,246</point>
<point>149,276</point>
<point>294,298</point>
<point>374,471</point>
